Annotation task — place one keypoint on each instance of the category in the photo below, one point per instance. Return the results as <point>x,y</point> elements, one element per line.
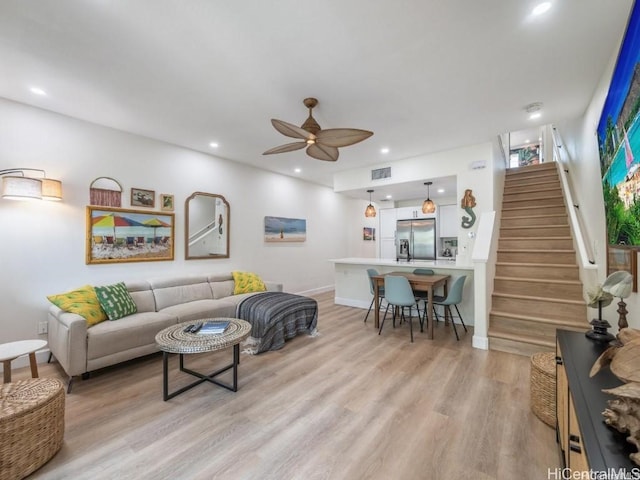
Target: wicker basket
<point>543,387</point>
<point>31,425</point>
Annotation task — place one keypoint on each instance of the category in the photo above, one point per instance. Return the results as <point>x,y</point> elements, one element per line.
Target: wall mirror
<point>207,226</point>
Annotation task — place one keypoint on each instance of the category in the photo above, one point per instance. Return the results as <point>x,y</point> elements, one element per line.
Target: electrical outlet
<point>42,327</point>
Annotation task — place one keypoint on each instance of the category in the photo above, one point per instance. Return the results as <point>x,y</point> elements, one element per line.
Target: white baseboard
<point>315,291</point>
<point>481,343</point>
<point>350,302</point>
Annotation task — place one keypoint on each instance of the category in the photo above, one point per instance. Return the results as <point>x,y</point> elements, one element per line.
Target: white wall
<point>441,164</point>
<point>42,244</point>
<point>581,141</point>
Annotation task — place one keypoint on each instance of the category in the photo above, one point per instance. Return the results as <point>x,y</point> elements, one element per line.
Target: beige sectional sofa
<point>160,303</point>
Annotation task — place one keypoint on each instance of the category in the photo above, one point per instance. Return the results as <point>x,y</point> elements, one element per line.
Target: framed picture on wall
<point>143,198</point>
<point>282,229</point>
<point>166,202</point>
<point>369,233</point>
<point>116,235</point>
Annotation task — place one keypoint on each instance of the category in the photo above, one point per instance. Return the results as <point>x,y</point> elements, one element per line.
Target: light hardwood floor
<point>347,404</point>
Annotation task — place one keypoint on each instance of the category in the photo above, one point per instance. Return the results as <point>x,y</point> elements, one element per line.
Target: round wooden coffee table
<point>11,351</point>
<point>174,339</point>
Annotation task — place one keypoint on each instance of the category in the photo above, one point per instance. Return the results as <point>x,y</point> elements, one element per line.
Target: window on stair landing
<point>525,147</point>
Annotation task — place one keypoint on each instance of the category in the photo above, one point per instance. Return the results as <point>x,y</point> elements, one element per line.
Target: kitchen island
<point>352,282</point>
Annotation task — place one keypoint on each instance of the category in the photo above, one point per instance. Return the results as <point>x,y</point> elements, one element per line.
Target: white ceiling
<point>423,75</point>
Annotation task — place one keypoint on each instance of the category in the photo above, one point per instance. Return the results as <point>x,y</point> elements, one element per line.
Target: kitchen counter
<point>441,262</point>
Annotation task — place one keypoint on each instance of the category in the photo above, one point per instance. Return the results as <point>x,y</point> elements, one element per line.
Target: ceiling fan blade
<point>289,147</point>
<point>290,130</point>
<point>323,152</point>
<point>342,137</point>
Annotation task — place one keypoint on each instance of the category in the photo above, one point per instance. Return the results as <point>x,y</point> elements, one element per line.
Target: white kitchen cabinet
<point>387,233</point>
<point>448,221</point>
<point>387,222</point>
<point>408,213</point>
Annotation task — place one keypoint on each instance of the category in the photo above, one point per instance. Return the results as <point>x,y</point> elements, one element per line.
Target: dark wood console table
<point>585,441</point>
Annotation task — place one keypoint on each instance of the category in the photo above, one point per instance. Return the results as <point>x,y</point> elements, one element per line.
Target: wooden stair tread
<point>560,322</point>
<point>535,250</point>
<point>541,299</point>
<point>539,280</point>
<point>537,265</point>
<point>521,338</point>
<point>536,216</point>
<point>538,238</point>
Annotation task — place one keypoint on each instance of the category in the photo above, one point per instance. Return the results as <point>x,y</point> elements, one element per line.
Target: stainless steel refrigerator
<point>416,239</point>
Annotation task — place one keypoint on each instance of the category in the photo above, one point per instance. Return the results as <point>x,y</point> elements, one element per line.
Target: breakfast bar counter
<point>352,282</point>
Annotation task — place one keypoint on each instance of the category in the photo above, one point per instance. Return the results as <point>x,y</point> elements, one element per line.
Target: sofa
<point>160,303</point>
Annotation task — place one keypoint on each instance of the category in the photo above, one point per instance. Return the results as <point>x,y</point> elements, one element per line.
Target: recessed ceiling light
<point>37,91</point>
<point>297,170</point>
<point>384,150</point>
<point>535,115</point>
<point>527,141</point>
<point>441,190</point>
<point>213,145</point>
<point>541,8</point>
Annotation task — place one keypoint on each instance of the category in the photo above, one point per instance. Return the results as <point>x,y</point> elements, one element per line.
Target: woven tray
<point>543,387</point>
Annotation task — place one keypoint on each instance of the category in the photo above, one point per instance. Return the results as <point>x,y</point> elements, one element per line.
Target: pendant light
<point>428,206</point>
<point>370,211</point>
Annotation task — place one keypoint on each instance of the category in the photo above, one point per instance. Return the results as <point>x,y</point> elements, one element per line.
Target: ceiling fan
<point>321,144</point>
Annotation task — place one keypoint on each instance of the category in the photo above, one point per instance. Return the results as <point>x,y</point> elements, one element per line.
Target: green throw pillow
<point>245,282</point>
<point>82,301</point>
<point>116,301</point>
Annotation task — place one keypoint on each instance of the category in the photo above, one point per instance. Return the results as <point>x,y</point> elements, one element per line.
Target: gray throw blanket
<point>276,317</point>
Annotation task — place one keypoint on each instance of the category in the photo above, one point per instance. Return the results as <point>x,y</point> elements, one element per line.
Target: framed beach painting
<point>281,229</point>
<point>619,147</point>
<point>117,235</point>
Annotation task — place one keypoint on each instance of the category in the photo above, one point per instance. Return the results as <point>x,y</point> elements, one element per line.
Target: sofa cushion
<point>179,290</point>
<point>246,282</point>
<point>142,294</point>
<point>116,301</point>
<point>82,301</point>
<point>200,309</point>
<point>128,333</point>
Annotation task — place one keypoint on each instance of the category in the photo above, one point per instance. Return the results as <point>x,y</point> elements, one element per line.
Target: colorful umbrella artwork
<point>155,223</point>
<point>113,221</point>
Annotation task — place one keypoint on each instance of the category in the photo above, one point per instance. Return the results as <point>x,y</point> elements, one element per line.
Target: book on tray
<point>211,327</point>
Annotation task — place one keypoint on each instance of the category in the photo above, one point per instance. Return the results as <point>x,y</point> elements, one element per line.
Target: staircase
<point>537,287</point>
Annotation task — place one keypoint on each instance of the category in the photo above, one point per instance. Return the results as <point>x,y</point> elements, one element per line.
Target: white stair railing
<point>561,156</point>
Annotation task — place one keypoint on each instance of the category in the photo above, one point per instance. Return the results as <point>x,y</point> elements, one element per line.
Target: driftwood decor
<point>623,413</point>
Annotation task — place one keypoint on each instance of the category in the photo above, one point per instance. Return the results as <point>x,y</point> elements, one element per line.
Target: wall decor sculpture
<point>467,204</point>
<point>105,191</point>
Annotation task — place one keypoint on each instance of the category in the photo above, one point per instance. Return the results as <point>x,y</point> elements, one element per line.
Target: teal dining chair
<point>372,272</point>
<point>454,297</point>
<point>423,296</point>
<point>399,294</point>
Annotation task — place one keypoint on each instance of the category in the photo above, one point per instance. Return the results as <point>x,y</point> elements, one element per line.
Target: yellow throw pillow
<point>82,301</point>
<point>245,282</point>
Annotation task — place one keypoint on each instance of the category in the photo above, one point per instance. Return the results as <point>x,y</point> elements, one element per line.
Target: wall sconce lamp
<point>16,185</point>
<point>370,211</point>
<point>428,206</point>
